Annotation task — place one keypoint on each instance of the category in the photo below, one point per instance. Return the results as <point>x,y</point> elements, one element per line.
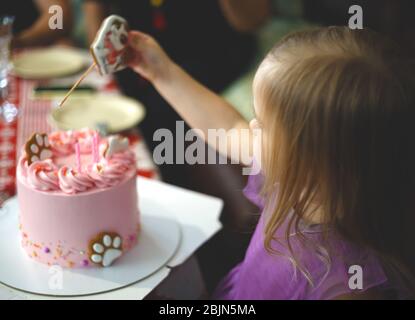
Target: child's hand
<point>145,56</point>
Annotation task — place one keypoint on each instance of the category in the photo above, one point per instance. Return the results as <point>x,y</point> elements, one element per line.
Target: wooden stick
<point>82,77</point>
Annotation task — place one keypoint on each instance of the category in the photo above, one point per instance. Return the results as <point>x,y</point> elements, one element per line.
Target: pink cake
<point>77,198</point>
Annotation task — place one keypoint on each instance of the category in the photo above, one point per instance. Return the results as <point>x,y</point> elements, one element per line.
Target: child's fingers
<point>137,39</point>
<point>132,57</point>
<point>133,39</point>
<point>139,34</point>
<point>136,47</point>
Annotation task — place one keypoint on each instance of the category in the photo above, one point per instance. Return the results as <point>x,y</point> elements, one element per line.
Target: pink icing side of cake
<point>62,211</point>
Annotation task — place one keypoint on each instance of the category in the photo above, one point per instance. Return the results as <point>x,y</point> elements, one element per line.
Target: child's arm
<point>198,106</point>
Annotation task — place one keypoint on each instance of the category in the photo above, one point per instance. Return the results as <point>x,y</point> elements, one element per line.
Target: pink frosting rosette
<point>46,176</point>
<point>71,181</point>
<point>106,176</point>
<point>42,175</point>
<point>126,159</point>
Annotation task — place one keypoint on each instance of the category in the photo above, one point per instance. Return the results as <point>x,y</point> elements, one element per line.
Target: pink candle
<point>78,157</point>
<point>95,147</point>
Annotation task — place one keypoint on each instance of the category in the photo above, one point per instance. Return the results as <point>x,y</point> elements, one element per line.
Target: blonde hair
<point>337,110</point>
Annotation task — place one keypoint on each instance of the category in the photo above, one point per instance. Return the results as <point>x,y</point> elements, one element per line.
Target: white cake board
<point>157,243</point>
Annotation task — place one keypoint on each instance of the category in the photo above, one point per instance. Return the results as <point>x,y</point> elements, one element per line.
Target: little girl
<point>336,110</point>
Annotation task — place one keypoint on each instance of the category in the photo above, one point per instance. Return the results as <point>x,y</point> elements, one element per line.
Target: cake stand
<point>158,241</point>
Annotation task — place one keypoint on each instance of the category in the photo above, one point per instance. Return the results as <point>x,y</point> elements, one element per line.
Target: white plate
<point>48,63</point>
<point>117,112</point>
<point>159,239</point>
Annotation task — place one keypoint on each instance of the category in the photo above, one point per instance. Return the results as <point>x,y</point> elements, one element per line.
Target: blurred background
<point>219,42</point>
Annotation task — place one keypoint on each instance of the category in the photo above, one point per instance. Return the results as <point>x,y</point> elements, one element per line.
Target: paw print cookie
<point>109,46</point>
<point>105,248</point>
<point>38,148</point>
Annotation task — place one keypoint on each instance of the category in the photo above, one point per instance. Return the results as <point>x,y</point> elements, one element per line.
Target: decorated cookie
<point>105,248</point>
<point>109,45</point>
<point>37,148</point>
<point>116,144</point>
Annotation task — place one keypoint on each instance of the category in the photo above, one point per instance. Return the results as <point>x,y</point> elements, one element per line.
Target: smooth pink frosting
<point>47,175</point>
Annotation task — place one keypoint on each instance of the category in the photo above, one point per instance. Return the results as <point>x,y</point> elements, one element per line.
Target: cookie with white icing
<point>105,248</point>
<point>108,48</point>
<point>38,148</point>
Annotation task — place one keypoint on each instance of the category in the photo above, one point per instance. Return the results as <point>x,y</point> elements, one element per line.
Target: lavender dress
<point>264,276</point>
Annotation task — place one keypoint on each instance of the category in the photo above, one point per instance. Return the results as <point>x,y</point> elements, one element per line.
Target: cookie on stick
<point>108,49</point>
